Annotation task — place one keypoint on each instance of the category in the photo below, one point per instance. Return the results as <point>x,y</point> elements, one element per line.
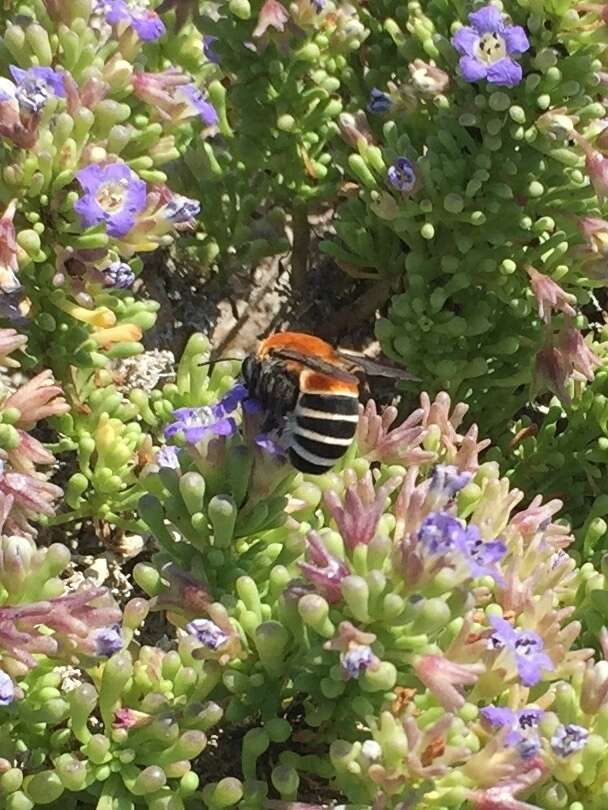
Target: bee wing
<point>373,369</point>
<point>316,364</point>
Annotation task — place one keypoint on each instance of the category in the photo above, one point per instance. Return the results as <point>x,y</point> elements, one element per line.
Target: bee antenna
<point>220,360</point>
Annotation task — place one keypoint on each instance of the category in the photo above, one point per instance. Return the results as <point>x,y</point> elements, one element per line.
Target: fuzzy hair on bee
<point>313,390</point>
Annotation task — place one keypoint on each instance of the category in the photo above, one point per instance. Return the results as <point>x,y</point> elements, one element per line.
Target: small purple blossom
<point>168,456</point>
<point>207,632</point>
<point>487,47</point>
<point>231,400</point>
<point>146,23</point>
<point>319,5</point>
<point>402,175</point>
<point>194,98</point>
<point>7,689</point>
<point>108,640</point>
<point>448,480</point>
<point>119,275</point>
<point>527,648</point>
<point>35,85</point>
<point>208,49</point>
<point>379,102</point>
<point>197,423</point>
<point>481,556</point>
<point>521,727</point>
<point>181,209</point>
<point>270,447</point>
<point>441,533</point>
<point>113,194</point>
<point>356,660</point>
<point>569,739</point>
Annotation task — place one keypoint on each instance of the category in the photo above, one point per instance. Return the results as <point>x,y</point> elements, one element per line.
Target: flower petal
<point>90,178</point>
<point>516,39</point>
<point>472,69</point>
<point>465,40</point>
<point>505,73</point>
<point>488,20</point>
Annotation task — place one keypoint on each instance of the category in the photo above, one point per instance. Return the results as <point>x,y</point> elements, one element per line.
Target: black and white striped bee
<point>315,387</point>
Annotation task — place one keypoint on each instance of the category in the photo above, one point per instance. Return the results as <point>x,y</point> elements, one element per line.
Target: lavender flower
<point>527,648</point>
<point>174,96</point>
<point>481,556</point>
<point>379,102</point>
<point>270,447</point>
<point>402,175</point>
<point>441,533</point>
<point>119,275</point>
<point>114,194</point>
<point>208,49</point>
<point>108,640</point>
<point>521,726</point>
<point>146,23</point>
<point>448,480</point>
<point>569,739</point>
<point>168,456</point>
<point>356,661</point>
<point>207,632</point>
<point>36,85</point>
<point>181,209</point>
<point>196,100</point>
<point>196,423</point>
<point>7,689</point>
<point>487,46</point>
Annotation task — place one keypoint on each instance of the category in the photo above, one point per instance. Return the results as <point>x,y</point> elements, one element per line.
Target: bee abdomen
<point>325,426</point>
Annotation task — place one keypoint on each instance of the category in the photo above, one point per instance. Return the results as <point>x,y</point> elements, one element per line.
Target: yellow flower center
<point>111,196</point>
<point>491,48</point>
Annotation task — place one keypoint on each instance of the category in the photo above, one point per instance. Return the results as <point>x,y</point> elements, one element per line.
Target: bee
<point>303,382</point>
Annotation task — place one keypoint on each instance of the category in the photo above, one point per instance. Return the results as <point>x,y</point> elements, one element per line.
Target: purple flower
<point>146,23</point>
<point>527,648</point>
<point>194,98</point>
<point>379,102</point>
<point>231,400</point>
<point>521,727</point>
<point>324,570</point>
<point>208,49</point>
<point>402,175</point>
<point>481,557</point>
<point>448,480</point>
<point>7,689</point>
<point>441,533</point>
<point>108,640</point>
<point>487,46</point>
<point>113,194</point>
<point>207,632</point>
<point>181,209</point>
<point>34,86</point>
<point>119,275</point>
<point>319,5</point>
<point>271,447</point>
<point>168,456</point>
<point>569,739</point>
<point>196,423</point>
<point>356,661</point>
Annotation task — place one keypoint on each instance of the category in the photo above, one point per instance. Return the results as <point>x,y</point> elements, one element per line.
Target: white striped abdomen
<point>324,428</point>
